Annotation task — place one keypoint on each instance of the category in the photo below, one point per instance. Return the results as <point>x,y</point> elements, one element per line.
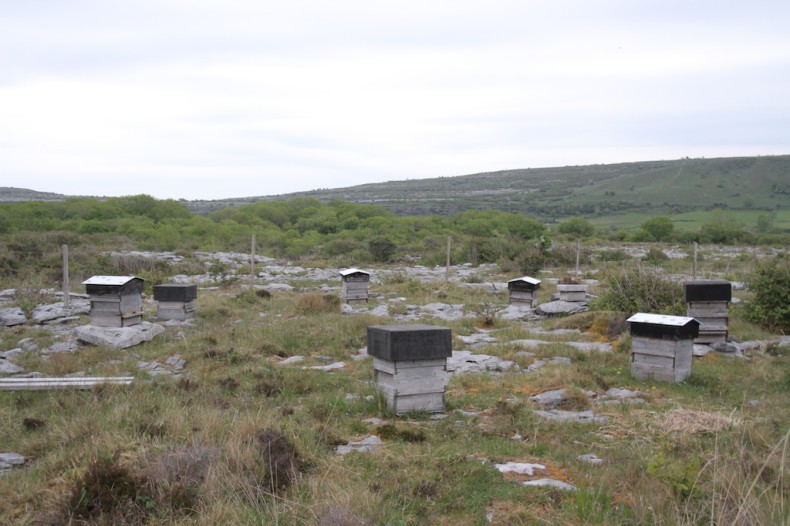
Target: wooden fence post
<point>66,297</point>
<point>447,268</point>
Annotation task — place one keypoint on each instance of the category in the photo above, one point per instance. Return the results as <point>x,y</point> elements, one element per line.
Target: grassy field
<point>239,439</point>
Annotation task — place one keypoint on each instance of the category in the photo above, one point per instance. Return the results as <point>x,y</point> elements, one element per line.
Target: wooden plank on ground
<point>76,382</point>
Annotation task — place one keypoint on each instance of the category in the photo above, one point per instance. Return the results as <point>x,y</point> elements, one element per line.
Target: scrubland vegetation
<point>238,439</point>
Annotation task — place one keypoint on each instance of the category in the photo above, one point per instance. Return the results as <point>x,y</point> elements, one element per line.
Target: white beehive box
<point>662,346</point>
<point>410,365</point>
<point>524,291</point>
<point>116,301</point>
<point>355,285</point>
<point>572,293</point>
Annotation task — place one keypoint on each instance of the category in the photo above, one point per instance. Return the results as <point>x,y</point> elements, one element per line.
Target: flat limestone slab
<point>119,337</point>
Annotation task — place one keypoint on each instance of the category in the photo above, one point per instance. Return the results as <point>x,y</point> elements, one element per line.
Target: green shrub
<point>655,255</point>
<point>635,289</point>
<point>382,249</point>
<point>615,255</point>
<point>771,304</point>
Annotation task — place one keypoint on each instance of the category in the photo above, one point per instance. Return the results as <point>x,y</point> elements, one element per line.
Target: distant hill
<point>655,187</point>
<point>10,194</point>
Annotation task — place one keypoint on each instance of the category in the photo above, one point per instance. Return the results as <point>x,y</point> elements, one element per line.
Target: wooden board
<point>412,381</point>
<point>654,346</point>
<point>656,372</point>
<point>664,360</point>
<point>400,404</point>
<point>519,297</point>
<point>395,367</point>
<point>124,320</point>
<point>707,308</point>
<point>573,296</point>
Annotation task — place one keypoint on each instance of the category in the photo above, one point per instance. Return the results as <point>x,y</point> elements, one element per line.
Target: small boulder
<point>561,308</point>
<point>119,337</point>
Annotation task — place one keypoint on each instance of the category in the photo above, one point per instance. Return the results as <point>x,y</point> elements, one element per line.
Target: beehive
<point>175,302</point>
<point>662,346</point>
<point>116,301</point>
<point>355,285</point>
<point>410,365</point>
<point>572,293</point>
<point>524,291</point>
<point>707,301</point>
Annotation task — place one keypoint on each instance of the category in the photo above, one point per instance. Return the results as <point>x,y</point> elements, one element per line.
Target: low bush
<point>655,255</point>
<point>770,307</point>
<point>635,289</point>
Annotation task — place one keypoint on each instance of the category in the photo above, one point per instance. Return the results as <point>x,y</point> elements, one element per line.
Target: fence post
<point>252,261</point>
<point>694,272</point>
<point>447,267</point>
<point>66,297</point>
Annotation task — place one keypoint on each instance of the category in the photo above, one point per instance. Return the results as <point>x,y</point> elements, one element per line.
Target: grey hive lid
<point>350,271</point>
<point>109,280</point>
<point>526,279</point>
<point>660,319</point>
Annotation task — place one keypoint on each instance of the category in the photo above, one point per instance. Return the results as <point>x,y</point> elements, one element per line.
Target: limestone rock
<point>119,337</point>
<point>12,316</point>
<point>291,360</point>
<point>700,350</point>
<point>330,367</point>
<point>48,313</point>
<point>591,458</point>
<point>552,399</point>
<point>571,416</point>
<point>10,459</point>
<point>550,483</point>
<point>521,468</point>
<point>561,308</point>
<point>517,313</point>
<point>59,347</point>
<point>467,362</point>
<point>28,344</point>
<point>366,445</point>
<point>8,367</point>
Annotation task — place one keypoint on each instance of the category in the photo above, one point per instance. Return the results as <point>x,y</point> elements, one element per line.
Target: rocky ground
<point>71,331</point>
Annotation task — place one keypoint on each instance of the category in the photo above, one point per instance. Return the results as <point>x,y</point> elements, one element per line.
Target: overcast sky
<point>210,99</point>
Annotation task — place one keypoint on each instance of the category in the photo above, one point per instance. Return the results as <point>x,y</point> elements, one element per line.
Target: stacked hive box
<point>524,291</point>
<point>355,285</point>
<point>116,301</point>
<point>572,293</point>
<point>662,346</point>
<point>707,301</point>
<point>410,365</point>
<point>176,302</point>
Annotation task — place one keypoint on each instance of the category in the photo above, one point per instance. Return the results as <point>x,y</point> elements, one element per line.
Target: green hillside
<point>654,187</point>
<point>605,193</point>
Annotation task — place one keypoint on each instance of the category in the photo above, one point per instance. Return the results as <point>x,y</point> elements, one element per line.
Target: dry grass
<point>686,422</point>
<point>315,303</point>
